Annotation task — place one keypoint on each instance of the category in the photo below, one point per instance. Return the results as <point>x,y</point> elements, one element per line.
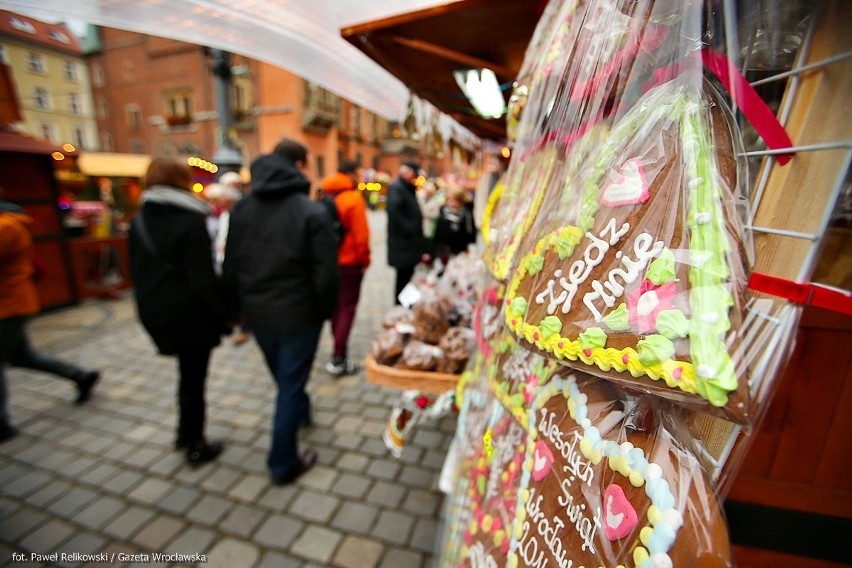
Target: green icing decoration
<point>549,326</point>
<point>655,349</point>
<point>617,319</point>
<point>593,337</point>
<point>518,307</point>
<point>535,264</point>
<point>662,268</point>
<point>672,324</point>
<point>564,245</point>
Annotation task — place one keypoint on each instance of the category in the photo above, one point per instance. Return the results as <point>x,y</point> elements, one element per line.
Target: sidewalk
<point>103,477</point>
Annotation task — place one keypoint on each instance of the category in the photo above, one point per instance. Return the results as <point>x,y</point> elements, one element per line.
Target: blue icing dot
<point>666,500</point>
<point>661,539</point>
<point>654,489</point>
<point>646,564</point>
<point>593,435</point>
<point>610,448</point>
<point>581,412</point>
<point>636,455</point>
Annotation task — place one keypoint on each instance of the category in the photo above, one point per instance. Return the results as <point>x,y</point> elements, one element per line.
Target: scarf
<point>166,195</point>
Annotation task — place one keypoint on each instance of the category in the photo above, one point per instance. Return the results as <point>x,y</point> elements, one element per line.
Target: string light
<point>202,164</point>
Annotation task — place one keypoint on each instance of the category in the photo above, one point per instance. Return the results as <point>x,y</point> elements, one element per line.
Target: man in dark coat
<point>280,273</point>
<point>406,243</point>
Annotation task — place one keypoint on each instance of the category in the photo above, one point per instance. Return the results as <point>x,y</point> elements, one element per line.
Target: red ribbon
<point>756,111</point>
<point>824,297</point>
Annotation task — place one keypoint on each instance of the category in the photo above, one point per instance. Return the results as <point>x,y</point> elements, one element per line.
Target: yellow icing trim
<point>493,199</point>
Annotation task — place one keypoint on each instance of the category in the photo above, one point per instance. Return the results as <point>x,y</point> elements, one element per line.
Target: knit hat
<point>413,165</point>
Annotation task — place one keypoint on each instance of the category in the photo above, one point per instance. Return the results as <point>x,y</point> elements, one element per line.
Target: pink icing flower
<point>647,301</point>
<point>529,388</point>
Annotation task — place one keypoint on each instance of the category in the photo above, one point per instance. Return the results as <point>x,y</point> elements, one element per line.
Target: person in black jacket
<point>280,273</point>
<point>406,243</point>
<point>455,229</point>
<point>178,297</point>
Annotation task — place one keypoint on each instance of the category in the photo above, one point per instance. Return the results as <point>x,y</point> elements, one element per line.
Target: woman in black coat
<point>178,296</point>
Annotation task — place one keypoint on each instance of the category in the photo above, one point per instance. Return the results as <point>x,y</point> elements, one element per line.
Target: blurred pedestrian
<point>178,296</point>
<point>18,301</point>
<point>455,229</point>
<point>353,258</point>
<point>280,271</point>
<point>406,243</point>
<point>222,197</point>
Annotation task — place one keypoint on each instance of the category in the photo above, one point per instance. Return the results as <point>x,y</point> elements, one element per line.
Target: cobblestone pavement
<point>103,477</point>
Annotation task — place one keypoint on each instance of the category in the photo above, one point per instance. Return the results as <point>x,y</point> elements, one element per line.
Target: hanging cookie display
<point>646,286</point>
<point>605,483</point>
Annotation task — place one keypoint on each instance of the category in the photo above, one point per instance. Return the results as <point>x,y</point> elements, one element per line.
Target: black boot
<point>85,384</point>
<point>202,452</point>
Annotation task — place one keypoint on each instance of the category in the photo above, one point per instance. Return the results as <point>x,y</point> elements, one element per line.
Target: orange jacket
<point>18,295</point>
<point>352,210</point>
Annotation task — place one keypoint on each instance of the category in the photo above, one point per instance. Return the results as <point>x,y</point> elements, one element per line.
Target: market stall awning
<point>300,36</point>
<point>108,164</point>
<point>423,48</point>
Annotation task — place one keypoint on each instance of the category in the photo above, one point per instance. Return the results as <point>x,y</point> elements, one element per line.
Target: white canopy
<point>302,36</point>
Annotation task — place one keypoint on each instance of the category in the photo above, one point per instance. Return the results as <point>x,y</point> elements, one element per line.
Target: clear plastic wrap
<point>457,345</point>
<point>631,260</point>
<point>608,481</point>
<point>420,356</point>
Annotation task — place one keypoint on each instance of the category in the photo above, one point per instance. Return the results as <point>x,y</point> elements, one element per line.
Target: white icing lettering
<point>580,269</point>
<point>570,451</point>
<point>644,248</point>
<point>479,558</point>
<point>576,514</point>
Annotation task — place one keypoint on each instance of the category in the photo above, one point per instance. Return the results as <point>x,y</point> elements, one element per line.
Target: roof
<point>13,141</point>
<point>424,47</point>
<point>55,36</point>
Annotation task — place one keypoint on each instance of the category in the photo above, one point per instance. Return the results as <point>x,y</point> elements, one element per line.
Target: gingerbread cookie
<point>646,286</point>
<point>602,486</point>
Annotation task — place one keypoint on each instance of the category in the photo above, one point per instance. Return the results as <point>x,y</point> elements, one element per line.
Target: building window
<point>178,107</point>
<point>129,70</point>
<point>320,167</point>
<point>35,63</point>
<point>134,117</point>
<point>103,109</point>
<point>69,69</point>
<point>138,146</point>
<point>4,58</point>
<point>74,104</point>
<point>97,75</point>
<point>106,142</point>
<point>42,98</point>
<point>22,25</point>
<point>47,131</point>
<point>79,139</point>
<point>56,35</point>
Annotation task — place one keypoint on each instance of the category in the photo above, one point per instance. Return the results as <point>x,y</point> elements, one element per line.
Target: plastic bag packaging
<point>388,346</point>
<point>431,319</point>
<point>412,407</point>
<point>420,356</point>
<point>457,346</point>
<point>397,315</point>
<point>634,263</point>
<point>607,480</point>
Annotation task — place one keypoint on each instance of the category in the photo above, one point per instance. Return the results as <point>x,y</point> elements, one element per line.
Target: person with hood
<point>18,301</point>
<point>178,296</point>
<point>280,273</point>
<point>406,242</point>
<point>353,258</point>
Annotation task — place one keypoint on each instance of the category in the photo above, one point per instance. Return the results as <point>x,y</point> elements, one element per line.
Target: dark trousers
<point>11,331</point>
<point>347,301</point>
<point>23,355</point>
<point>403,277</point>
<point>290,357</point>
<point>192,374</point>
